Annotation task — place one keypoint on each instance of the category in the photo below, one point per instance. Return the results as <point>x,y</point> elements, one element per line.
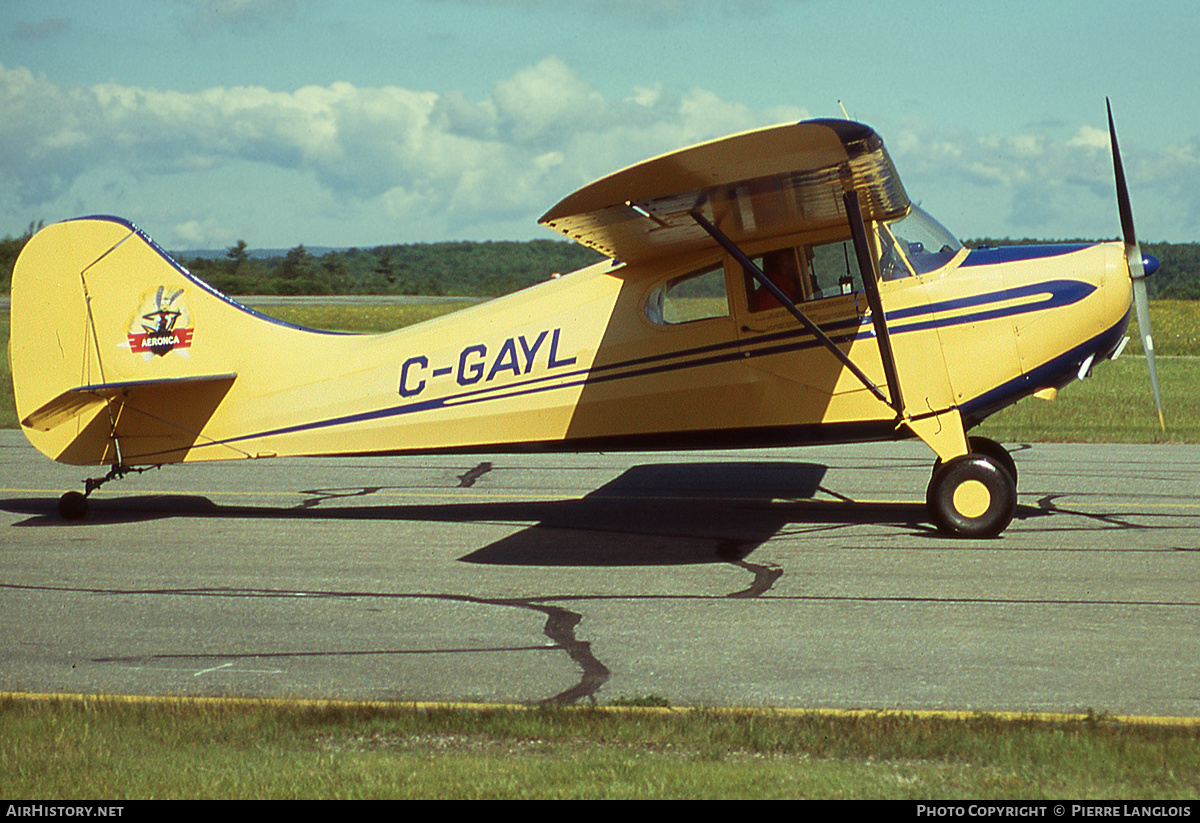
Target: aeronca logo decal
<point>161,325</point>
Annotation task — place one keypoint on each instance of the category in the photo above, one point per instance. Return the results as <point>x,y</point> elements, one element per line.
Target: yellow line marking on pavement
<point>1015,717</point>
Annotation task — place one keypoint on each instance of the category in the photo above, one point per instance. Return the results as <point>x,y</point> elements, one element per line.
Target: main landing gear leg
<point>74,505</point>
<point>973,491</point>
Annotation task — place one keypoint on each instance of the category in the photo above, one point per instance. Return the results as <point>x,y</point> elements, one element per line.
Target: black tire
<point>986,446</point>
<point>972,496</point>
<point>73,506</point>
<point>992,449</point>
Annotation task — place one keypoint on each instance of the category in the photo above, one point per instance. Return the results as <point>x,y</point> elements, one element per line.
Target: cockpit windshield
<point>914,244</point>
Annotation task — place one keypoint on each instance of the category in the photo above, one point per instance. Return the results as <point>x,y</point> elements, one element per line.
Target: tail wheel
<point>972,496</point>
<point>73,506</point>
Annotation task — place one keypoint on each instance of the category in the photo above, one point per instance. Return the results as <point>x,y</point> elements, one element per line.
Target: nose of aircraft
<point>1118,281</point>
<point>1117,284</point>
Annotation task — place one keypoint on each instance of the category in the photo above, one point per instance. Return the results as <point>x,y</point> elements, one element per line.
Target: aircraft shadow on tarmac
<point>652,514</point>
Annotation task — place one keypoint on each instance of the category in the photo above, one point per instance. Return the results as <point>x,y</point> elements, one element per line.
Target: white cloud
<point>1090,137</point>
<point>1047,184</point>
<point>349,165</point>
<point>200,234</point>
<point>541,101</point>
<point>420,154</point>
<point>1027,145</point>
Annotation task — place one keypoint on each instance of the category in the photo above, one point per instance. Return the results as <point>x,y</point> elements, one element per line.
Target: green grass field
<point>115,749</point>
<point>360,317</point>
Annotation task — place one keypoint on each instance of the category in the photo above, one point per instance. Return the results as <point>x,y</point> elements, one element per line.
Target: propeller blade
<point>1143,315</point>
<point>1133,257</point>
<point>1123,204</point>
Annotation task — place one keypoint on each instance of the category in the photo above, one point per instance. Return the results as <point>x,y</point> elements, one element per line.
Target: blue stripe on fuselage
<point>1013,254</point>
<point>1056,373</point>
<point>1057,293</point>
<point>1054,293</point>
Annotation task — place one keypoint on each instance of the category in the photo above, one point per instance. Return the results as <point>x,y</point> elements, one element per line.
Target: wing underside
<point>756,185</point>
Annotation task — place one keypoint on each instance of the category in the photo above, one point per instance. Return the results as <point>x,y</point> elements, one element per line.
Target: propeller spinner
<point>1137,268</point>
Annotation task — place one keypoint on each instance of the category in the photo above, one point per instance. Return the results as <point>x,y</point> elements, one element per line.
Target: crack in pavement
<point>559,627</point>
<point>468,479</point>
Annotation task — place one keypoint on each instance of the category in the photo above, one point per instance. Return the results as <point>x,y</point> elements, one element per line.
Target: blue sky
<point>362,123</point>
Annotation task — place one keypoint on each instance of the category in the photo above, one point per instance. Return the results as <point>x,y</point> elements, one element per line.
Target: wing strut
<point>787,303</point>
<point>866,265</point>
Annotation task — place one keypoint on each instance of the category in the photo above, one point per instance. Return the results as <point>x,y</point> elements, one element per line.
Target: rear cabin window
<point>805,273</point>
<point>696,296</point>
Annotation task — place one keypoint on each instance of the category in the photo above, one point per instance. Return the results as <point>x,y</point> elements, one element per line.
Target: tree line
<point>484,269</point>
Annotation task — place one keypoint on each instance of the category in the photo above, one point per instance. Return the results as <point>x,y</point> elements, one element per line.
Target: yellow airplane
<point>772,288</point>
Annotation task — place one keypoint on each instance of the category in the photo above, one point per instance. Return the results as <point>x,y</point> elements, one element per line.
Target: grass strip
<point>121,748</point>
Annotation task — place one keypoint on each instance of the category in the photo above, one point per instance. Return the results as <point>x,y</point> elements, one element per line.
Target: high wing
<point>781,180</point>
<point>755,185</point>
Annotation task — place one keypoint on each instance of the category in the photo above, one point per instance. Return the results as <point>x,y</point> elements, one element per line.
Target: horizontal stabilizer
<point>83,399</point>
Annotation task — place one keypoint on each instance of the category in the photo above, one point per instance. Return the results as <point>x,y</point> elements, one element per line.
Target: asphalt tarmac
<point>785,578</point>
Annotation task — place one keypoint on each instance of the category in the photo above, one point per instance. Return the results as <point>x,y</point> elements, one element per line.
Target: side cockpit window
<point>805,273</point>
<point>835,270</point>
<point>696,296</point>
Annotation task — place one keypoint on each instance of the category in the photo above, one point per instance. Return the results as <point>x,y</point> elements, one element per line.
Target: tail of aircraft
<point>119,356</point>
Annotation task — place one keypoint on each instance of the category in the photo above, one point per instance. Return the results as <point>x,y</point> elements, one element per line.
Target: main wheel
<point>992,449</point>
<point>972,496</point>
<point>73,506</point>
